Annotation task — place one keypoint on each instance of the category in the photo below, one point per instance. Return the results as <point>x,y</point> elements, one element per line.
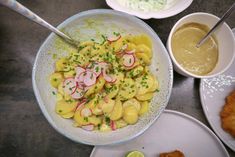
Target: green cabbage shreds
<point>144,5</point>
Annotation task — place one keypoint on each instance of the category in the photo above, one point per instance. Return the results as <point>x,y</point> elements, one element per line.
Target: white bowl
<point>224,36</point>
<point>173,7</point>
<point>84,26</point>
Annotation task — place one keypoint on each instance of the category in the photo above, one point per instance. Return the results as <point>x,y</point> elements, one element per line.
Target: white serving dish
<point>85,26</point>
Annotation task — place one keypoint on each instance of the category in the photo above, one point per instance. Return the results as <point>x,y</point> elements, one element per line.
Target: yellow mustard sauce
<point>199,61</point>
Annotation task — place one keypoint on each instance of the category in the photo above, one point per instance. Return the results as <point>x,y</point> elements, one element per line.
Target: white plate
<point>173,7</point>
<point>173,130</point>
<point>213,92</point>
<point>86,26</point>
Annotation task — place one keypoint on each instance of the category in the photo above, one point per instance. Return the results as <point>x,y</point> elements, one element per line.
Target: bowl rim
<point>67,21</point>
<point>171,52</point>
<point>152,14</point>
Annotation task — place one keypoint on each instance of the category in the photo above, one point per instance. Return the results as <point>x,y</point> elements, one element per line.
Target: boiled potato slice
<point>112,91</point>
<point>79,58</point>
<point>144,107</point>
<point>63,107</point>
<point>144,83</point>
<point>55,79</point>
<point>120,123</point>
<point>97,49</point>
<point>85,51</point>
<point>130,114</point>
<point>106,105</point>
<point>135,72</point>
<point>144,49</point>
<point>132,102</point>
<point>142,39</point>
<point>61,64</point>
<point>155,85</point>
<point>104,127</point>
<point>93,102</point>
<point>68,115</point>
<point>97,111</point>
<point>94,120</point>
<point>85,44</point>
<point>59,97</point>
<point>144,97</point>
<point>117,110</point>
<point>70,73</point>
<point>80,119</point>
<point>96,87</point>
<point>61,89</point>
<point>117,45</point>
<point>143,57</point>
<point>127,89</point>
<point>131,46</point>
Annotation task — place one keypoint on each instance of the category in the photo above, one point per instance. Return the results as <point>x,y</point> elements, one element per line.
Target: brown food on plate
<point>175,153</point>
<point>228,114</point>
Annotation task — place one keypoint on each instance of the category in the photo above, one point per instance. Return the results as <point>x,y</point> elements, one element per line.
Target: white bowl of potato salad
<point>110,89</point>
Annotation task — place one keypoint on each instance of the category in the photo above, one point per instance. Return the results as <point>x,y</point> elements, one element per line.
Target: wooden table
<point>24,131</point>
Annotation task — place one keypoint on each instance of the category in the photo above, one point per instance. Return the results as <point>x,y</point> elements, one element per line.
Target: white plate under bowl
<point>86,26</point>
<point>173,7</point>
<point>213,92</point>
<point>173,130</point>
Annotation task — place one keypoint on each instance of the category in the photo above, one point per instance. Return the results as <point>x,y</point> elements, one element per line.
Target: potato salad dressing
<point>199,61</point>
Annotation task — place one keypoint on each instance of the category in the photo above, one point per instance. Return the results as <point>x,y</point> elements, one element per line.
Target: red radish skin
<point>130,52</point>
<point>124,47</point>
<point>69,85</point>
<point>77,94</point>
<point>80,104</point>
<point>128,60</point>
<point>113,39</point>
<point>113,125</point>
<point>80,78</point>
<point>79,70</point>
<point>89,127</point>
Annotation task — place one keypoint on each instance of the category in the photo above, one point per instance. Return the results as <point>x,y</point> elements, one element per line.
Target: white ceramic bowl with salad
<point>92,26</point>
<point>146,9</point>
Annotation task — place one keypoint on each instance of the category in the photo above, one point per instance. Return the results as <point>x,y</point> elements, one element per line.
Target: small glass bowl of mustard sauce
<point>210,59</point>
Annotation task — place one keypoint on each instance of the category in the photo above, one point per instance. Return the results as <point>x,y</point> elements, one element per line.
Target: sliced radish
<point>90,78</point>
<point>89,127</point>
<point>108,78</point>
<point>114,38</point>
<point>69,85</point>
<point>113,125</point>
<point>96,68</point>
<point>128,60</point>
<point>80,77</point>
<point>80,85</point>
<point>103,65</point>
<point>86,112</point>
<point>78,93</point>
<point>79,70</point>
<point>130,52</point>
<point>124,47</point>
<point>80,104</point>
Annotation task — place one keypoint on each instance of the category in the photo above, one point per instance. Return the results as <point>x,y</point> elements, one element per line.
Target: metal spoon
<point>19,8</point>
<point>219,23</point>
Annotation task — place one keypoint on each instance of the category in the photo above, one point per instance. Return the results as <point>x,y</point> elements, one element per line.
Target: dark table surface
<point>24,131</point>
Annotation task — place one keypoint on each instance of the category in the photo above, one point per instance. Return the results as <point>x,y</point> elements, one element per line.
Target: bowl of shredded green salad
<point>146,9</point>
